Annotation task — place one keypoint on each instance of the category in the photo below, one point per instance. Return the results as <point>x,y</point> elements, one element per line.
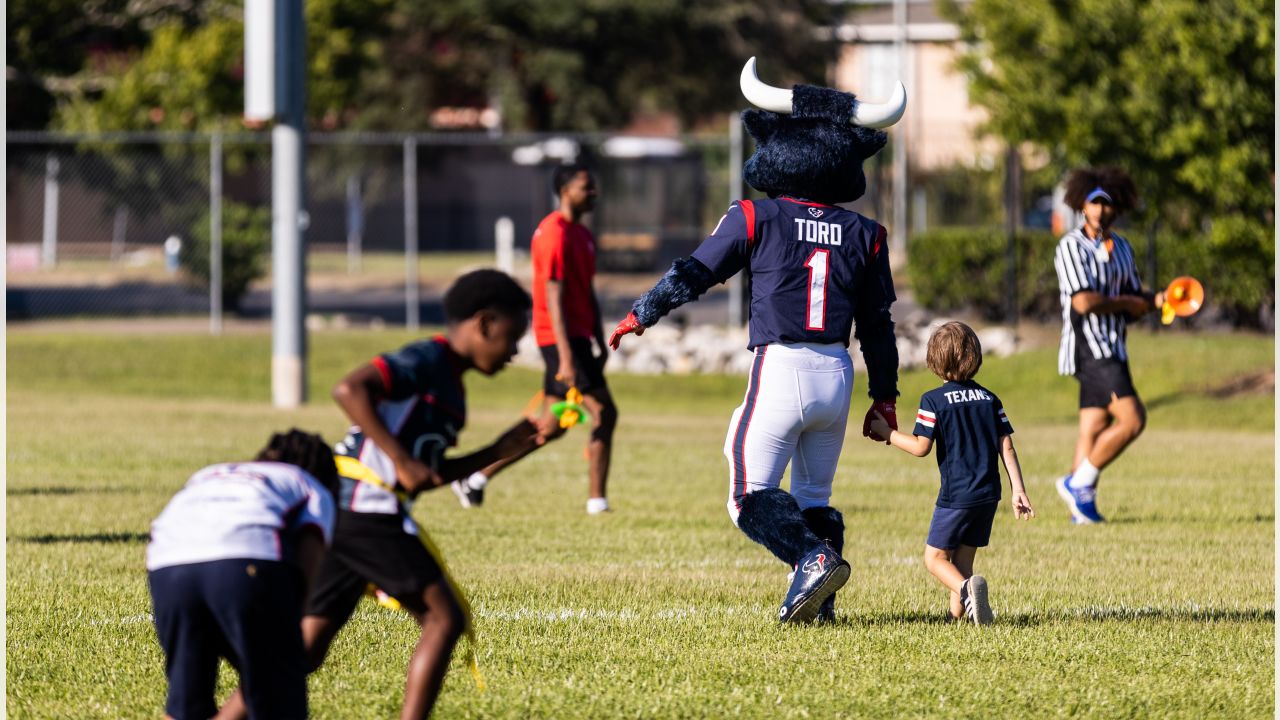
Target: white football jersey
<point>239,511</point>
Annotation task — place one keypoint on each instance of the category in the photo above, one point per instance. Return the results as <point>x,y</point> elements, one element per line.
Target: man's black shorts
<point>248,611</point>
<point>1101,379</point>
<point>590,368</point>
<point>371,548</point>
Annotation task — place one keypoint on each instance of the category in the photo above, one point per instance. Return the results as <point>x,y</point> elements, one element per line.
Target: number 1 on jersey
<point>817,264</point>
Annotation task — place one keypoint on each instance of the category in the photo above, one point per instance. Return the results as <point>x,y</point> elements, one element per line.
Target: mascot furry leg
<point>772,518</point>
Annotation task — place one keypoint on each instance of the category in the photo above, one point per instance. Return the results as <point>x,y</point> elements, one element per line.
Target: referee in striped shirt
<point>1101,294</point>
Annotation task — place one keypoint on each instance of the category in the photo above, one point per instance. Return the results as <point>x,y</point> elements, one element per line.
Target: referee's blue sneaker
<point>1081,501</point>
<point>820,573</point>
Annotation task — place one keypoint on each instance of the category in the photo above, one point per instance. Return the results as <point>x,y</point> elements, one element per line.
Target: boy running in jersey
<point>229,565</point>
<point>407,408</point>
<point>1101,293</point>
<point>969,426</point>
<point>816,271</point>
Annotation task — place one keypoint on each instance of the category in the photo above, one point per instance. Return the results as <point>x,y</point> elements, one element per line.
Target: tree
<point>192,77</point>
<point>549,64</point>
<point>563,65</point>
<point>1179,92</point>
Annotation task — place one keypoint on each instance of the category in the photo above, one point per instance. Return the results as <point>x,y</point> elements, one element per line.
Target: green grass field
<point>663,609</point>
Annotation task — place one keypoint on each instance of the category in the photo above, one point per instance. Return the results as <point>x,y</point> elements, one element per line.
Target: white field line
<point>676,614</point>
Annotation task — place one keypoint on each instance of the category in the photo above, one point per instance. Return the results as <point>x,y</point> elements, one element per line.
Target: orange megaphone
<point>1182,298</point>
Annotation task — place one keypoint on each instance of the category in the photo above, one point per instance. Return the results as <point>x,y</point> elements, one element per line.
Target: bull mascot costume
<point>817,270</point>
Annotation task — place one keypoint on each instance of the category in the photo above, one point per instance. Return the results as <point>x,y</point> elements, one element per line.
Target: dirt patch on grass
<point>1262,382</point>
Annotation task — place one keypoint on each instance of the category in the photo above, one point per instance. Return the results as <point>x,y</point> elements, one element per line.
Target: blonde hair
<point>954,352</point>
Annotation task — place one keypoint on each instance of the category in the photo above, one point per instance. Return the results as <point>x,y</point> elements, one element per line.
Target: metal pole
<point>1012,221</point>
<point>504,241</point>
<point>288,292</point>
<point>49,248</point>
<point>735,193</point>
<point>118,232</point>
<point>1153,231</point>
<point>215,234</point>
<point>411,298</point>
<point>898,236</point>
<point>355,224</point>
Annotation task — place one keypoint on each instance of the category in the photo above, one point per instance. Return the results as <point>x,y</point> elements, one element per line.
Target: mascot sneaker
<point>820,573</point>
<point>826,613</point>
<point>1081,501</point>
<point>973,598</point>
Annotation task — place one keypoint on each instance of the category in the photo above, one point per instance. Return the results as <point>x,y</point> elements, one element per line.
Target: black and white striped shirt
<point>1085,264</point>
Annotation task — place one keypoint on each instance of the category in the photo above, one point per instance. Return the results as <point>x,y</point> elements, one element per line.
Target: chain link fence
<point>123,224</point>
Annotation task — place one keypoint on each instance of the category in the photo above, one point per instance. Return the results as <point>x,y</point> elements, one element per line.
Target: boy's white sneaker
<point>973,597</point>
<point>595,506</point>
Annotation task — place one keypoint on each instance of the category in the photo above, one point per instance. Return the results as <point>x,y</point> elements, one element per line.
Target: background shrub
<point>246,246</point>
<point>963,268</point>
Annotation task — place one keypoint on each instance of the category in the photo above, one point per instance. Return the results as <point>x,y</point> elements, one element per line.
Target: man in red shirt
<point>566,317</point>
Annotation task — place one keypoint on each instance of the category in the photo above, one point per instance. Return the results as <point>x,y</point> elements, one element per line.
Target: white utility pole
<point>898,238</point>
<point>735,193</point>
<point>275,89</point>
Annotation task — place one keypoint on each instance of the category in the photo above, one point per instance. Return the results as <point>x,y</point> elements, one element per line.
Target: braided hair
<point>307,451</point>
<point>1115,181</point>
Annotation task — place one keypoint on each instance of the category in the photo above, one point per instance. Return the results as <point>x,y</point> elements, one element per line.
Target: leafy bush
<point>964,268</point>
<point>957,268</point>
<point>246,243</point>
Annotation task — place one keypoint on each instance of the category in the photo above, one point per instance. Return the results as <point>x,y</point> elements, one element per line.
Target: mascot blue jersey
<point>815,269</point>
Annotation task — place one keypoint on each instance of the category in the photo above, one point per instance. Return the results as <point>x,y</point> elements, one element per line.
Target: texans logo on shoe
<point>817,564</point>
<point>815,212</point>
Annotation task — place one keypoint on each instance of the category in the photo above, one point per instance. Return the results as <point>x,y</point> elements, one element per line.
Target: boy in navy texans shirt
<point>969,425</point>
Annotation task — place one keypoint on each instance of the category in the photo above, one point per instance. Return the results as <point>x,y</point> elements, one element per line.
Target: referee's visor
<point>1099,195</point>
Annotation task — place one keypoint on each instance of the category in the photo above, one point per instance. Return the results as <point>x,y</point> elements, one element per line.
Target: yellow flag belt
<point>354,469</point>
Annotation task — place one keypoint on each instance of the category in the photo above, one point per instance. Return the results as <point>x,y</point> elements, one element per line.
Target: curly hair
<point>1115,181</point>
<point>485,289</point>
<point>307,451</point>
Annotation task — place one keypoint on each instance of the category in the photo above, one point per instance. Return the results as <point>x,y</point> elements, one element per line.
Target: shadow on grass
<point>1198,520</point>
<point>37,490</point>
<point>1068,615</point>
<point>104,538</point>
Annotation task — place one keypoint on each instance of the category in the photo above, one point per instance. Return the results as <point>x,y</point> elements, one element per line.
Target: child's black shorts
<point>590,368</point>
<point>1101,379</point>
<point>953,527</point>
<point>248,611</point>
<point>371,548</point>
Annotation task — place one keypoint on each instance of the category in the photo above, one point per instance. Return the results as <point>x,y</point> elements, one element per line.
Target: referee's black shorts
<point>371,548</point>
<point>590,368</point>
<point>1101,380</point>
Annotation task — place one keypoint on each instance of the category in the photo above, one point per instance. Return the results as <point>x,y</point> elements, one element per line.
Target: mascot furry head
<point>811,141</point>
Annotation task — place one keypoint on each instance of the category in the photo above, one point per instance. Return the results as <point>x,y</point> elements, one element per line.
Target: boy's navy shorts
<point>590,368</point>
<point>248,611</point>
<point>953,527</point>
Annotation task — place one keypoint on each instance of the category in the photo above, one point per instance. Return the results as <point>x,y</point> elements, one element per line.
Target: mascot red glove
<point>629,325</point>
<point>889,410</point>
